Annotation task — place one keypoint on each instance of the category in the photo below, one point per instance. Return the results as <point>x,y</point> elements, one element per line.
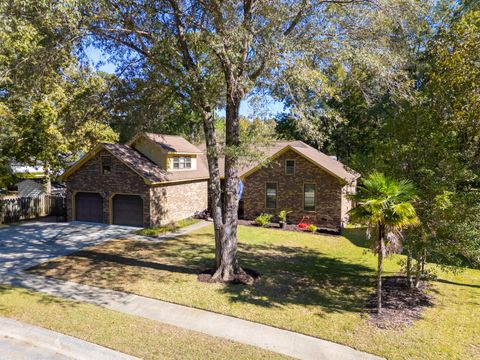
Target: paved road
<point>20,341</point>
<point>12,348</point>
<point>26,245</point>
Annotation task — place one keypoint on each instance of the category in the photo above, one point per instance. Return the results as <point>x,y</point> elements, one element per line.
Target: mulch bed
<point>401,306</point>
<point>289,227</point>
<point>248,278</point>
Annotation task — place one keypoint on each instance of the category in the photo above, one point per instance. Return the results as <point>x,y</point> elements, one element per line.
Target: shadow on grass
<point>289,275</point>
<point>302,276</point>
<point>97,257</point>
<point>457,283</point>
<point>30,295</point>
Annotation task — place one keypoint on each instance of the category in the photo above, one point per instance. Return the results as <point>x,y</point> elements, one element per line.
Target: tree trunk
<point>47,184</point>
<point>409,268</point>
<point>424,259</point>
<point>381,252</point>
<point>214,184</point>
<point>229,266</point>
<point>418,272</point>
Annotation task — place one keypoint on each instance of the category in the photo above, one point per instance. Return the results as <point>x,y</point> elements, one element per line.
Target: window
<point>309,197</point>
<point>106,165</point>
<point>182,162</point>
<point>271,195</point>
<point>289,167</point>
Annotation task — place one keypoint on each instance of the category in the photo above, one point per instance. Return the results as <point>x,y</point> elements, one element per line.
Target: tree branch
<point>187,58</point>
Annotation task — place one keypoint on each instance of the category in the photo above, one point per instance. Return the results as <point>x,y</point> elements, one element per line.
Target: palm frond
<point>387,202</point>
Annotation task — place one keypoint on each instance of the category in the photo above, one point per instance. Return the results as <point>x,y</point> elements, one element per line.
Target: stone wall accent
<point>173,202</point>
<point>122,180</point>
<point>328,213</point>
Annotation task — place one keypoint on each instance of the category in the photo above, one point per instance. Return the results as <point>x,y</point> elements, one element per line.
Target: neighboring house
<point>153,180</point>
<point>30,188</point>
<point>300,179</point>
<point>22,170</point>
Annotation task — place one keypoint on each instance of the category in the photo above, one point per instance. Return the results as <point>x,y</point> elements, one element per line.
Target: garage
<point>89,207</point>
<point>127,210</point>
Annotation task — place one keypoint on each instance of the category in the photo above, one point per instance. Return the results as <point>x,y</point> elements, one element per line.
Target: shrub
<point>282,215</point>
<point>263,219</point>
<point>312,228</point>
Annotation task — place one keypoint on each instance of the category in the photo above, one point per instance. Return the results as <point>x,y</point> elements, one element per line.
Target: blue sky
<point>266,109</point>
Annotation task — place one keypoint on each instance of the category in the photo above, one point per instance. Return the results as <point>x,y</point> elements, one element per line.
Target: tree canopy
<point>390,86</point>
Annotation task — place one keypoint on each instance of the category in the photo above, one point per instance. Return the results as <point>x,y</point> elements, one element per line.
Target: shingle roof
<point>151,171</point>
<point>322,160</point>
<point>173,143</point>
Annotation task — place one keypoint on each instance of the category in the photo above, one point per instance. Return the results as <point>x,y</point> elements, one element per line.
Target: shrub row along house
<point>156,179</point>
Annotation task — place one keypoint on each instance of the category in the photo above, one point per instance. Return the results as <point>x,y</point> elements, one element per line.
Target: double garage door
<point>126,209</point>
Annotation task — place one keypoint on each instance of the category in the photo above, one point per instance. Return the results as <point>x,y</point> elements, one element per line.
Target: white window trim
<point>182,160</point>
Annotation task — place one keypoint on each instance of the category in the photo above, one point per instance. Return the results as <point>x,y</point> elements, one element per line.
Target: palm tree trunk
<point>381,252</point>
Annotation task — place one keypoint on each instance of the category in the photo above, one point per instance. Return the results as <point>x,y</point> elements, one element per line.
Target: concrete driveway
<point>26,245</point>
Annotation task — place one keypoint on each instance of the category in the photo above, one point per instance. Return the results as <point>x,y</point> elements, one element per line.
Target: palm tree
<point>385,206</point>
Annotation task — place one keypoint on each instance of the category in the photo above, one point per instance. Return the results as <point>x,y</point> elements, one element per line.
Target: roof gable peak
<point>167,143</point>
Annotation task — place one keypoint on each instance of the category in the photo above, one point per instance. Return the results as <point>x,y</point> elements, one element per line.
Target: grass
<point>133,335</point>
<point>172,227</point>
<point>313,284</point>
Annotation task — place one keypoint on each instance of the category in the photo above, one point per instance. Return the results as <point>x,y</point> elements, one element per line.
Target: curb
<point>63,344</point>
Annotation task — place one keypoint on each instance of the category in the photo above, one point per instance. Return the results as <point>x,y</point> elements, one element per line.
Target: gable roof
<point>277,148</point>
<point>30,188</point>
<point>143,166</point>
<point>168,143</point>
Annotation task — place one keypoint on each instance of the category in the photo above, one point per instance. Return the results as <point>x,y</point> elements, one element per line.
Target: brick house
<point>300,179</point>
<point>153,180</point>
<point>156,179</point>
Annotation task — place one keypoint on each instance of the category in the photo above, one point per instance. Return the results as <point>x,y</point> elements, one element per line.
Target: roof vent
<point>333,157</point>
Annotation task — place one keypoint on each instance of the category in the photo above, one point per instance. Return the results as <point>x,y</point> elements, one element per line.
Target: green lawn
<point>133,335</point>
<point>311,284</point>
<point>160,230</point>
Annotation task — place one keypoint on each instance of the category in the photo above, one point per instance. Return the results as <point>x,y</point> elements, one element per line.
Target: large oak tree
<point>214,53</point>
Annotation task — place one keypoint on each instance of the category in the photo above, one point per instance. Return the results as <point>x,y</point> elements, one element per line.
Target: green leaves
<point>52,109</point>
<point>384,203</point>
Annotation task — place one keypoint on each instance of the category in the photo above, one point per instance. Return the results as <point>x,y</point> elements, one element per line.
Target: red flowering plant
<point>304,223</point>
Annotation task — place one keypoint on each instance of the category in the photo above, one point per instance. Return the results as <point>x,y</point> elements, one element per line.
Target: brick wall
<point>347,203</point>
<point>328,200</point>
<point>177,201</point>
<point>122,180</point>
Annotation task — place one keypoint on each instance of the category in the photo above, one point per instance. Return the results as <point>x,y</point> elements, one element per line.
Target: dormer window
<point>106,165</point>
<point>182,162</point>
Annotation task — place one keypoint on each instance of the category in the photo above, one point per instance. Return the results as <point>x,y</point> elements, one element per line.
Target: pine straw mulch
<point>401,306</point>
<point>289,227</point>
